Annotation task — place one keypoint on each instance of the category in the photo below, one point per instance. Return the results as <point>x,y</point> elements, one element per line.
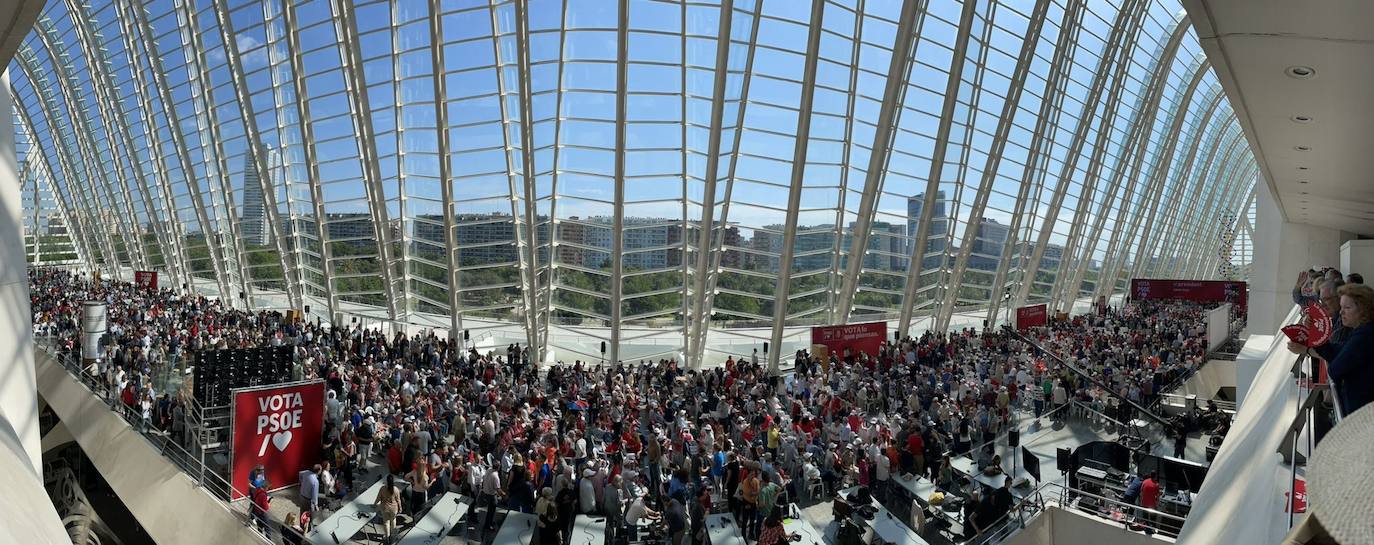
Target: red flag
<point>1316,331</point>
<point>1320,330</point>
<point>1296,333</point>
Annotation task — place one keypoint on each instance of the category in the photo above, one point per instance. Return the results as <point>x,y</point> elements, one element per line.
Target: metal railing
<point>1130,516</point>
<point>1182,399</point>
<point>1311,396</point>
<point>164,441</point>
<point>1140,410</point>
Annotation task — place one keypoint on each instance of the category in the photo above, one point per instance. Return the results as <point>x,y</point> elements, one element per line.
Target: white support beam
<point>801,139</point>
<point>135,18</point>
<point>889,117</point>
<point>120,141</point>
<point>1218,185</point>
<point>1156,178</point>
<point>993,163</point>
<point>153,139</point>
<point>1074,253</point>
<point>836,281</point>
<point>296,60</point>
<point>937,166</point>
<point>1137,142</point>
<point>622,78</point>
<point>1034,170</point>
<point>1196,206</point>
<point>547,291</point>
<point>1181,205</point>
<point>355,87</point>
<point>443,138</point>
<point>1145,244</point>
<point>84,207</point>
<point>197,67</point>
<point>1118,35</point>
<point>77,229</point>
<point>258,151</point>
<point>715,248</point>
<point>527,229</point>
<point>120,213</point>
<point>706,231</point>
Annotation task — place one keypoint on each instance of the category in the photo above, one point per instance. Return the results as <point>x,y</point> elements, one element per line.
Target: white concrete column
<point>21,455</point>
<point>1282,249</point>
<point>1357,256</point>
<point>18,389</point>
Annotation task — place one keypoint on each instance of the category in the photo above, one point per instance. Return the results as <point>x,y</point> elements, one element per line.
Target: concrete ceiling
<point>1253,44</point>
<point>16,19</point>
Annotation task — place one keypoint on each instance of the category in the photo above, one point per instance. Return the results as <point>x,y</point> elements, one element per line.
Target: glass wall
<point>674,178</point>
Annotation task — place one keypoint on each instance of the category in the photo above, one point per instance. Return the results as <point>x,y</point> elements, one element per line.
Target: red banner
<point>867,338</point>
<point>1032,316</point>
<point>145,279</point>
<point>279,427</point>
<point>1220,291</point>
<point>1299,501</point>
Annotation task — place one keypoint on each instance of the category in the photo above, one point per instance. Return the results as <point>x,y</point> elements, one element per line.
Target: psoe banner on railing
<point>1219,291</point>
<point>279,427</point>
<point>1032,316</point>
<point>867,337</point>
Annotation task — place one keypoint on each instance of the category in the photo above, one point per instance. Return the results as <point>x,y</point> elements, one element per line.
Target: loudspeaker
<point>765,347</point>
<point>1031,463</point>
<point>1013,438</point>
<point>603,347</point>
<point>896,335</point>
<point>985,324</point>
<point>466,335</point>
<point>307,309</point>
<point>243,295</point>
<point>1063,459</point>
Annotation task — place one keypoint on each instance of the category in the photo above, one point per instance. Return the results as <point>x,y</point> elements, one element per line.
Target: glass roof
<point>660,175</point>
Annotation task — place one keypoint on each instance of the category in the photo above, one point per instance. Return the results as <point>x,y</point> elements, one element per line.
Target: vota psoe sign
<point>867,338</point>
<point>279,427</point>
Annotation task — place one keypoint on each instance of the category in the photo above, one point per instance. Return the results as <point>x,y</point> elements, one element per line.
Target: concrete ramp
<point>1213,376</point>
<point>166,502</point>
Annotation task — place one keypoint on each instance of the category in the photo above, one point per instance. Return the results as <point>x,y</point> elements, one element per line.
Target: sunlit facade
<point>656,175</point>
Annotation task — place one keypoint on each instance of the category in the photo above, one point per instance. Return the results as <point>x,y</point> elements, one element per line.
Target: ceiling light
<point>1302,148</point>
<point>1302,192</point>
<point>1302,181</point>
<point>1302,168</point>
<point>1302,119</point>
<point>1300,72</point>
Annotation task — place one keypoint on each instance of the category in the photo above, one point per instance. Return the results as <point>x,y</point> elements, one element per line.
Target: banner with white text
<point>866,338</point>
<point>279,427</point>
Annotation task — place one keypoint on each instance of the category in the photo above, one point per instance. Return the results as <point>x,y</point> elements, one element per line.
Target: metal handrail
<point>1138,407</point>
<point>1004,528</point>
<point>216,485</point>
<point>1126,507</point>
<point>135,421</point>
<point>1119,424</point>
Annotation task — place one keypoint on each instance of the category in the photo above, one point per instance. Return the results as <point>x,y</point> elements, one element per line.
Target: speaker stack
<point>218,372</point>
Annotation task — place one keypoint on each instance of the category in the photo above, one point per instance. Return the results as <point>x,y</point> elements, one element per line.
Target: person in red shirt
<point>916,446</point>
<point>261,503</point>
<point>1149,499</point>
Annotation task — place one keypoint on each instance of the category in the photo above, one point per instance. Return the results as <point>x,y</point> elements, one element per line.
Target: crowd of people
<point>643,441</point>
<point>1349,351</point>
